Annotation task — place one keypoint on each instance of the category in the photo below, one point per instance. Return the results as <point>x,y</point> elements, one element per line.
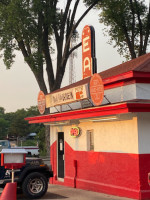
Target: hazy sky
<point>18,87</point>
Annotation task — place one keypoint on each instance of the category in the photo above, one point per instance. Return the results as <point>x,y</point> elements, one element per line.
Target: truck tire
<point>35,185</point>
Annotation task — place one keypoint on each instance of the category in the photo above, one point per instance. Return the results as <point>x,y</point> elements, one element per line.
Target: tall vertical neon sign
<point>89,65</point>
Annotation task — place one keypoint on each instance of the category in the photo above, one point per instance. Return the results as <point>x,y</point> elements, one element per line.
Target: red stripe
<point>121,174</point>
<point>92,112</point>
<point>78,114</point>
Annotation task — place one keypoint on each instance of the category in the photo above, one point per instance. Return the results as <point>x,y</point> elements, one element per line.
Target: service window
<point>90,140</point>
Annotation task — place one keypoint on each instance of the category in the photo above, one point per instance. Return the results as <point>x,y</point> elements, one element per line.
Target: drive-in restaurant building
<point>100,134</point>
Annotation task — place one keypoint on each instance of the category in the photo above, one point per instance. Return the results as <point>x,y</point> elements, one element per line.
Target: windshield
<point>4,143</point>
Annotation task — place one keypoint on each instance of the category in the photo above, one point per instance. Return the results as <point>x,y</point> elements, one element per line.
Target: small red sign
<point>12,165</point>
<point>41,102</point>
<point>78,95</point>
<point>96,89</point>
<point>86,52</point>
<point>75,131</point>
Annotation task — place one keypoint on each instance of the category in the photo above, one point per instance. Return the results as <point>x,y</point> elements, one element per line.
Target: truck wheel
<point>35,185</point>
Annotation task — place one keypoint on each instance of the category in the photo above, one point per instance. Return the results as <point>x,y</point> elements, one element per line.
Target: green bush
<point>29,143</point>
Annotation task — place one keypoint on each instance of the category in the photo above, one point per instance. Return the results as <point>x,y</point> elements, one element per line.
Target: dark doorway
<point>60,155</point>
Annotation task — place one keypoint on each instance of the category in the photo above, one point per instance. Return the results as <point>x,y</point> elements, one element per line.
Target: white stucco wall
<point>144,132</point>
<point>53,133</point>
<point>143,91</point>
<point>109,136</point>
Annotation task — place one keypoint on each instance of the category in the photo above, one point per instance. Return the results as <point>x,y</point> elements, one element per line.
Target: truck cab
<point>4,144</point>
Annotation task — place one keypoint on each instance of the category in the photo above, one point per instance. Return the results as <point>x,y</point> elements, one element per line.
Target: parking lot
<point>66,193</point>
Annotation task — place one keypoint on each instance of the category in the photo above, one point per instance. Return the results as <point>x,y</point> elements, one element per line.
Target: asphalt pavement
<point>66,193</point>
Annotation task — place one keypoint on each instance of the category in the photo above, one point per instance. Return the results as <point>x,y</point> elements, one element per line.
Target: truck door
<point>60,151</point>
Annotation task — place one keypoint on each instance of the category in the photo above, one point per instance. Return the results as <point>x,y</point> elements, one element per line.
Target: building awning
<point>101,111</point>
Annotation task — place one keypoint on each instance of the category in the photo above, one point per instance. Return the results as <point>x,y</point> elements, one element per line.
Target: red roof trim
<point>140,64</point>
<point>91,112</point>
<point>137,74</point>
<point>119,77</point>
<point>131,70</point>
<point>126,79</point>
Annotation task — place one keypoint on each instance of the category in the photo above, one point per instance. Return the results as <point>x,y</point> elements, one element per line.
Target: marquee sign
<point>88,52</point>
<point>67,96</point>
<point>41,102</point>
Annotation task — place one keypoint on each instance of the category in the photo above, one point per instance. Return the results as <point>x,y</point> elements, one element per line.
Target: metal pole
<point>13,173</point>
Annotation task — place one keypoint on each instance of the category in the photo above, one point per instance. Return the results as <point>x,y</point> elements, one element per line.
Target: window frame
<point>90,140</point>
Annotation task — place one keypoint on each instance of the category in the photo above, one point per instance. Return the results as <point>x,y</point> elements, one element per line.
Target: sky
<point>18,87</point>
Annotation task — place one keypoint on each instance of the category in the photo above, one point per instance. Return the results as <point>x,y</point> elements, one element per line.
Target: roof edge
<point>92,112</point>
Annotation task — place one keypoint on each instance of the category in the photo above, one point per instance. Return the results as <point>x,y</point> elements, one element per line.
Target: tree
<point>19,127</point>
<point>13,124</point>
<point>3,128</point>
<point>3,123</point>
<point>29,26</point>
<point>41,139</point>
<point>2,111</point>
<point>128,25</point>
<point>34,128</point>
